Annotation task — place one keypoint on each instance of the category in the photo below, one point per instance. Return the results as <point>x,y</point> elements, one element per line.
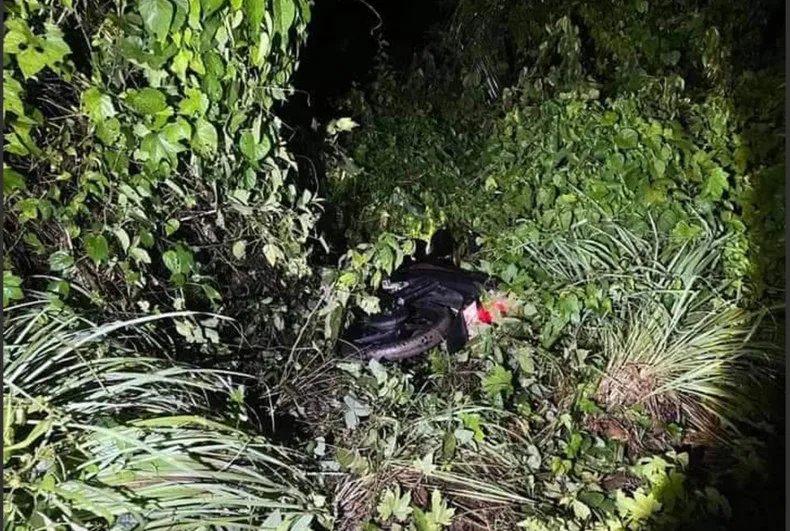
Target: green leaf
<point>60,261</point>
<point>498,380</point>
<point>172,226</point>
<point>205,139</point>
<point>97,249</point>
<point>272,254</point>
<point>284,14</point>
<point>157,147</point>
<point>140,255</point>
<point>108,131</point>
<point>210,7</point>
<point>440,515</point>
<point>254,10</point>
<point>181,63</point>
<point>609,118</point>
<point>123,238</point>
<point>626,139</point>
<point>170,259</point>
<point>98,105</point>
<point>41,53</point>
<point>157,16</point>
<point>580,510</point>
<point>12,288</point>
<point>261,50</point>
<point>239,249</point>
<point>448,445</point>
<point>178,261</point>
<point>715,184</point>
<point>146,101</point>
<point>472,422</point>
<point>638,508</point>
<point>194,104</point>
<point>251,149</point>
<point>393,504</point>
<point>12,95</point>
<point>12,180</point>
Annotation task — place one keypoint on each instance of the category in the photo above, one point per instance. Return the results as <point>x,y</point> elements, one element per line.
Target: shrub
<point>593,129</point>
<point>144,159</point>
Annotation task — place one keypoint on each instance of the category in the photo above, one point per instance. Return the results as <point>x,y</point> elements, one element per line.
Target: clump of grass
<point>98,435</point>
<point>674,342</point>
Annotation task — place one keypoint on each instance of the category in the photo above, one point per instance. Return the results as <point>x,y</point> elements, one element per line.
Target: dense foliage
<point>628,189</point>
<point>143,159</point>
<point>622,167</point>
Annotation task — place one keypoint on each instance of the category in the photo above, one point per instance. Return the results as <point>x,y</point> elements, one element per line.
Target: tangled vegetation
<point>622,168</point>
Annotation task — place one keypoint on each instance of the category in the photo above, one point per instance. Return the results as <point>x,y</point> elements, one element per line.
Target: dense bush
<point>143,158</point>
<point>570,144</point>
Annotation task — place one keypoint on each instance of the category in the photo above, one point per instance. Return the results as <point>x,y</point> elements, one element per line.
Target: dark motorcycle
<point>424,303</point>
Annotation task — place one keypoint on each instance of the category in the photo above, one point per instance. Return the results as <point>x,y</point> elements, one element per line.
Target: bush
<point>583,137</point>
<point>144,159</point>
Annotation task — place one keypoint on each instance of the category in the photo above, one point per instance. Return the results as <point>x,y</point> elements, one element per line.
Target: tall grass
<point>673,341</point>
<point>98,435</point>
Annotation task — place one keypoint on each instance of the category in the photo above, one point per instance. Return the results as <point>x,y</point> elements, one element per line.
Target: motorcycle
<point>426,302</point>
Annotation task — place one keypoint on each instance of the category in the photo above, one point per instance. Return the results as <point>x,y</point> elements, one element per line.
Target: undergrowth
<point>620,166</point>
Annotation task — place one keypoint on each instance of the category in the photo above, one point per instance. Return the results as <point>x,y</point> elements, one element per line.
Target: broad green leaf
<point>580,510</point>
<point>626,139</point>
<point>28,209</point>
<point>171,226</point>
<point>146,101</point>
<point>123,238</point>
<point>440,515</point>
<point>284,14</point>
<point>60,261</point>
<point>254,10</point>
<point>253,151</point>
<point>272,253</point>
<point>181,63</point>
<point>157,147</point>
<point>97,249</point>
<point>260,51</point>
<point>472,422</point>
<point>98,105</point>
<point>170,259</point>
<point>194,104</point>
<point>177,131</point>
<point>638,508</point>
<point>17,34</point>
<point>140,255</point>
<point>194,14</point>
<point>12,95</point>
<point>715,184</point>
<point>157,16</point>
<point>108,131</point>
<point>12,288</point>
<point>609,118</point>
<point>210,7</point>
<point>425,464</point>
<point>302,523</point>
<point>178,261</point>
<point>12,180</point>
<point>205,139</point>
<point>239,249</point>
<point>393,504</point>
<point>41,53</point>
